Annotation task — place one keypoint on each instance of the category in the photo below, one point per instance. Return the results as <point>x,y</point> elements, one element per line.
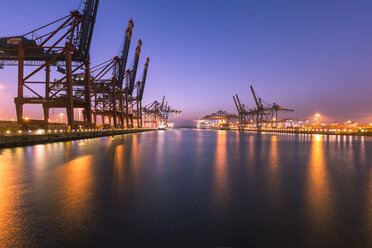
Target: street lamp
<point>61,116</point>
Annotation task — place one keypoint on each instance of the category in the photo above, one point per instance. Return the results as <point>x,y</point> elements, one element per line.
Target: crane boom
<point>124,55</point>
<point>240,106</point>
<point>134,69</point>
<point>142,87</point>
<point>85,37</point>
<point>236,105</point>
<point>255,98</point>
<point>162,103</point>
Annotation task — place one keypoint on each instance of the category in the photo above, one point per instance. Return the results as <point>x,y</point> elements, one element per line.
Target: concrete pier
<point>25,139</point>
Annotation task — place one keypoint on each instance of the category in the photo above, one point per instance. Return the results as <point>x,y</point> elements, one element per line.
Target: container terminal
<point>265,117</point>
<point>55,72</point>
<point>107,97</point>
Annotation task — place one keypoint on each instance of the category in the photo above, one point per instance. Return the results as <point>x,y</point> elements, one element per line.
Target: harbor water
<point>189,188</point>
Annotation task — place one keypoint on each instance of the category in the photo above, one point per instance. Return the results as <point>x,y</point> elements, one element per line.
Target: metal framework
<point>221,115</point>
<point>220,119</point>
<point>158,114</point>
<point>130,86</point>
<point>65,47</point>
<point>257,117</point>
<point>140,85</point>
<point>108,94</point>
<point>104,93</point>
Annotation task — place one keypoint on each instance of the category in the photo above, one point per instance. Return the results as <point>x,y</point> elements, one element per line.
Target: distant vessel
<point>162,126</point>
<point>203,125</point>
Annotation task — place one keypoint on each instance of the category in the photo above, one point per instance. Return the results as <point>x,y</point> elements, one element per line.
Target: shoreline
<point>294,131</point>
<point>10,141</point>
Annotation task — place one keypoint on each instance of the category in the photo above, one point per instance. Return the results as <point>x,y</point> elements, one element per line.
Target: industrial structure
<point>108,91</point>
<point>159,115</point>
<point>263,115</point>
<point>65,44</point>
<point>220,120</point>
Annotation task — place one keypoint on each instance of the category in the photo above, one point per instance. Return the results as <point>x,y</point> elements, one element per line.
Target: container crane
<point>260,110</point>
<point>131,77</point>
<point>241,112</point>
<point>104,91</point>
<point>124,55</point>
<point>267,113</point>
<point>156,112</point>
<point>140,90</point>
<point>67,47</point>
<point>109,92</point>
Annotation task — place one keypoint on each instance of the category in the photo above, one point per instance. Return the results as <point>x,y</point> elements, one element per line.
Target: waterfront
<point>189,188</point>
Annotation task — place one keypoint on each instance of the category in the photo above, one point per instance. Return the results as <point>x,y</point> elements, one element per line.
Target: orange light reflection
<point>220,171</point>
<point>318,193</point>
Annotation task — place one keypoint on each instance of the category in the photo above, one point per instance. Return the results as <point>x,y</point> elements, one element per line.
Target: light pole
<point>61,116</point>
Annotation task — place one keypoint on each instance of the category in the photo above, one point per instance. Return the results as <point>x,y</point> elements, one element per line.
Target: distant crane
<point>267,113</point>
<point>260,110</point>
<point>157,112</point>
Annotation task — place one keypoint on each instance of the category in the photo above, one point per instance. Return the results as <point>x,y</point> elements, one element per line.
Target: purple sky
<point>313,56</point>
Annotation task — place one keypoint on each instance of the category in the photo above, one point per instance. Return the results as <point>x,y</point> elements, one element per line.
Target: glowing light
<point>61,117</point>
<point>317,115</point>
<point>40,131</point>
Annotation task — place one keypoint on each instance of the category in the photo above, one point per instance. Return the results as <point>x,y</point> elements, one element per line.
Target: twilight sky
<point>313,56</point>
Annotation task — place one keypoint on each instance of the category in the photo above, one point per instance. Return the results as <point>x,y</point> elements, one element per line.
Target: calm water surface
<point>189,188</point>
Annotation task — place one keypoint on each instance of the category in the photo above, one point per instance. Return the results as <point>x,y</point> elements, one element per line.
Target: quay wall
<point>7,141</point>
<point>297,131</point>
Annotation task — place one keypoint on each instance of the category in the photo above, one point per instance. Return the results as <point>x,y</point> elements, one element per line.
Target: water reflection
<point>220,177</point>
<point>12,190</point>
<point>273,175</point>
<point>368,207</point>
<point>318,191</point>
<point>221,185</point>
<point>118,172</point>
<point>74,183</point>
<point>159,148</point>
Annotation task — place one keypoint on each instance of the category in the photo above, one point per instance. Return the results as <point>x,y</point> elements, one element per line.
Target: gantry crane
<point>104,91</point>
<point>157,113</point>
<point>243,114</point>
<point>267,113</point>
<point>140,90</point>
<point>129,87</point>
<point>108,93</point>
<point>64,43</point>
